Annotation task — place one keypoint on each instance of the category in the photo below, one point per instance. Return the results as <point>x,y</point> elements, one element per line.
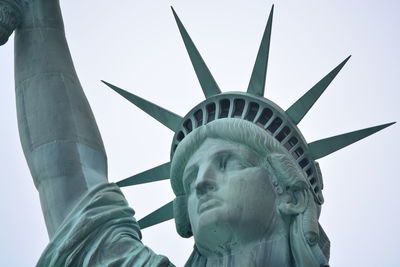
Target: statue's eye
<point>188,180</point>
<point>230,162</point>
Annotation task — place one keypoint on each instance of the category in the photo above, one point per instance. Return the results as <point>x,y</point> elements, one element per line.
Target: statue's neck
<point>266,253</point>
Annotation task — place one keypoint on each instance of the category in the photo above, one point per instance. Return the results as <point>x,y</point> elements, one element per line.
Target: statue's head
<point>240,168</point>
<point>237,185</point>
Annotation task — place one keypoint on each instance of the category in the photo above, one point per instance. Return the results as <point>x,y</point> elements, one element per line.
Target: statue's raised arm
<point>88,220</point>
<point>58,132</point>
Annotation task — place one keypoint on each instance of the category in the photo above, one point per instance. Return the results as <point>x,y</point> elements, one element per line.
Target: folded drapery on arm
<point>100,231</point>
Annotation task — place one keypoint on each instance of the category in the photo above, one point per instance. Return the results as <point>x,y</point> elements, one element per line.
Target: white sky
<point>136,45</point>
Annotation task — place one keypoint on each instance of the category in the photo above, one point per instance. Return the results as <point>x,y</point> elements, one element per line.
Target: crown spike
<point>207,82</point>
<point>160,215</point>
<point>324,147</point>
<point>155,174</point>
<point>300,108</point>
<point>258,76</point>
<point>166,117</point>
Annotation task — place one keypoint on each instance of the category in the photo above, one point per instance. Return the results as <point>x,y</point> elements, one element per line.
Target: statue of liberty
<point>247,184</point>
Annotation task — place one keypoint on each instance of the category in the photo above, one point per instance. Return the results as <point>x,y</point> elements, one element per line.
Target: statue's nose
<point>206,182</point>
<point>205,187</point>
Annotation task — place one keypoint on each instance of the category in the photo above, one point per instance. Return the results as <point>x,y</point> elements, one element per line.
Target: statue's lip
<point>208,203</point>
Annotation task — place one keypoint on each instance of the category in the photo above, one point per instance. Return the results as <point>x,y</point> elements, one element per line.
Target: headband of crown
<point>250,106</point>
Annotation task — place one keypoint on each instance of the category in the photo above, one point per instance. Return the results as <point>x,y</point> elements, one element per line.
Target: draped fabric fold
<point>100,231</point>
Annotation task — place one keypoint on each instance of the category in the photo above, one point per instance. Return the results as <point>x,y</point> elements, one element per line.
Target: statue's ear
<point>292,186</point>
<point>292,203</point>
<point>301,207</point>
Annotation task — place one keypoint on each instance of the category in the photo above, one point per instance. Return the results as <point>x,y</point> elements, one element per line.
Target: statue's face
<point>231,201</point>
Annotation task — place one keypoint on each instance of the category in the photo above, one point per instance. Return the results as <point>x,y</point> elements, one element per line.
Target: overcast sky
<point>136,45</point>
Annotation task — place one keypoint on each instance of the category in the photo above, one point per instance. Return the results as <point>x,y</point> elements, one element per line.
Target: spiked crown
<point>250,106</point>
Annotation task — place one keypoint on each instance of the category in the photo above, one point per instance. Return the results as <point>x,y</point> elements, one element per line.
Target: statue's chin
<point>214,231</point>
<point>223,238</point>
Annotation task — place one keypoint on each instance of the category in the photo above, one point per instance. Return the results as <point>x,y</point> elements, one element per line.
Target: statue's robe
<point>100,231</point>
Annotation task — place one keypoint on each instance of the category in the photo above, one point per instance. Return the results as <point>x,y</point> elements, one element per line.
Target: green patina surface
<point>246,182</point>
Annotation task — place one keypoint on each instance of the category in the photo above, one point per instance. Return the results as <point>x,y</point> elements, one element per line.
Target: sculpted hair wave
<point>242,132</point>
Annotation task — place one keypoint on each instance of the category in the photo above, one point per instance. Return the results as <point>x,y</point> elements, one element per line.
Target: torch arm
<point>58,131</point>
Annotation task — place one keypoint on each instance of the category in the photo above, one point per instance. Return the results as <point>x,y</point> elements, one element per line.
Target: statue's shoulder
<point>99,231</point>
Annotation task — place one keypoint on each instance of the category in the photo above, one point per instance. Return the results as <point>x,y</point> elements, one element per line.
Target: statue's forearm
<point>58,131</point>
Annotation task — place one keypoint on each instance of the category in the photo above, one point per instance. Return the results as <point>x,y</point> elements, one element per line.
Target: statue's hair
<point>284,171</point>
<point>236,131</point>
